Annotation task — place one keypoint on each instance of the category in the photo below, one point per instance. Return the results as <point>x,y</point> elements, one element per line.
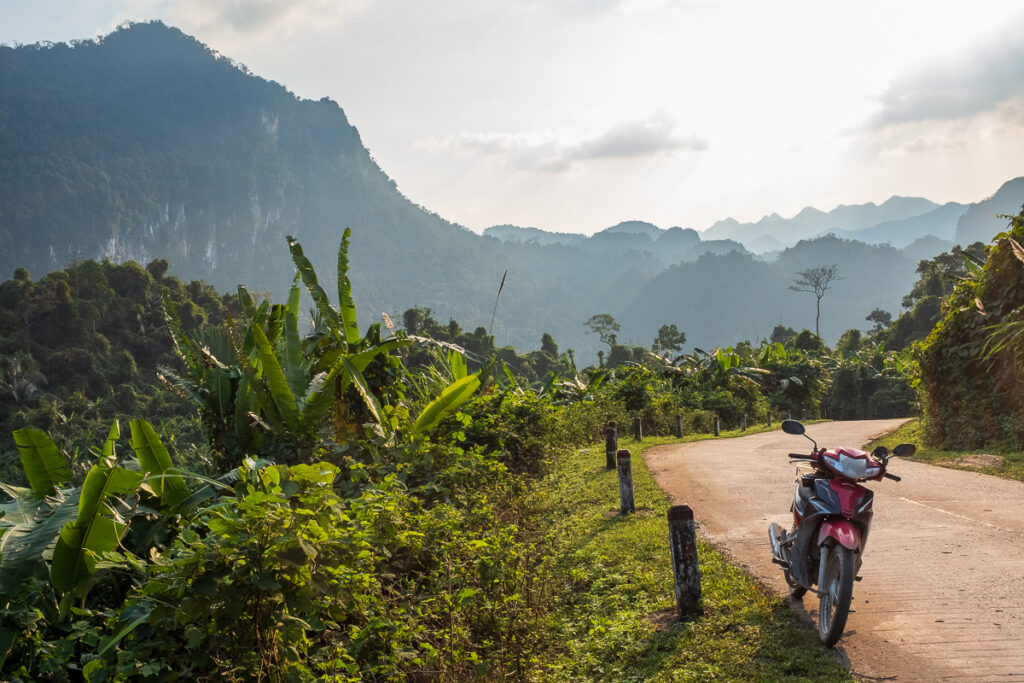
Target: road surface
<point>942,595</point>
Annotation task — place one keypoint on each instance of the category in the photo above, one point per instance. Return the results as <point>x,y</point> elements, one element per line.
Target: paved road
<point>942,595</point>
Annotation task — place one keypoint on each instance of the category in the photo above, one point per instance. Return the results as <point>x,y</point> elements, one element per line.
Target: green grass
<point>614,615</point>
<point>1012,466</point>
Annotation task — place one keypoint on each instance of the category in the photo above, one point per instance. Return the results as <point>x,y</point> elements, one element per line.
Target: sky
<point>574,115</point>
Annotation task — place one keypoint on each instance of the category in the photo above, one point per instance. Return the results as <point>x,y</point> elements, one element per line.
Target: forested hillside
<point>146,144</point>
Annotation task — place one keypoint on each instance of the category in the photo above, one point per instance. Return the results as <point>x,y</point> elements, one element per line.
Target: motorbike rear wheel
<point>835,593</point>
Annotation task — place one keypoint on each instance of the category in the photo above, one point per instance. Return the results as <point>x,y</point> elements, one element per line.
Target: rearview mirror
<point>904,450</point>
<point>793,427</point>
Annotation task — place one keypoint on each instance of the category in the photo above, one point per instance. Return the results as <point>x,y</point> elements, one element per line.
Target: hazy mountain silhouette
<point>811,222</point>
<point>145,144</point>
<point>981,221</point>
<point>940,223</point>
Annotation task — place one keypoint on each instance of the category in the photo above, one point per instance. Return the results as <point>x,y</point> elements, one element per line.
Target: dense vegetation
<point>81,347</point>
<point>328,503</point>
<point>971,368</point>
<point>364,504</point>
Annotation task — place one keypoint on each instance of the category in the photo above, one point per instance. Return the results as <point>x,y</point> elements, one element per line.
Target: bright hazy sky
<point>575,115</point>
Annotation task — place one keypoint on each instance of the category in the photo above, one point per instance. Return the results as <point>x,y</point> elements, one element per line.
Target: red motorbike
<point>831,519</point>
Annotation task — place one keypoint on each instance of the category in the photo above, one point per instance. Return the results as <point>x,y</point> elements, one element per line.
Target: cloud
<point>254,16</point>
<point>639,139</point>
<point>976,82</point>
<point>559,151</point>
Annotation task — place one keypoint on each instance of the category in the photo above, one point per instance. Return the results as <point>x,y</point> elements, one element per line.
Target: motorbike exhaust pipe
<point>775,534</point>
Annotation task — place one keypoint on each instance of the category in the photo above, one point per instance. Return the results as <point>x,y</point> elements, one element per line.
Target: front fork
<point>842,532</point>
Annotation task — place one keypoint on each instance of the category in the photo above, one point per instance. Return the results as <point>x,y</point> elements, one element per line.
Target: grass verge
<point>614,615</point>
<point>1007,464</point>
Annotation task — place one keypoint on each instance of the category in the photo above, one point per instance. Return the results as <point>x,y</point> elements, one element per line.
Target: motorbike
<point>832,514</point>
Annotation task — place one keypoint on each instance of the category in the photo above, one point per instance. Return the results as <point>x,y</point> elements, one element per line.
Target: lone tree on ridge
<point>604,326</point>
<point>816,281</point>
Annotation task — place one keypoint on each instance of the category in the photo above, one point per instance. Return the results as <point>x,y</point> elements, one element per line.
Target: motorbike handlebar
<point>893,477</point>
<point>800,456</point>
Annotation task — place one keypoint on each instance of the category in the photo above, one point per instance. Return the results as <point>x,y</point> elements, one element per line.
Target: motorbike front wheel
<point>835,592</point>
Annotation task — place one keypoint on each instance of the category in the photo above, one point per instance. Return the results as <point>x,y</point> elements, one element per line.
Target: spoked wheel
<point>835,592</point>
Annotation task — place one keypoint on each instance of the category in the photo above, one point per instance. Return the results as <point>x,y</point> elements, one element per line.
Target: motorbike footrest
<point>781,563</point>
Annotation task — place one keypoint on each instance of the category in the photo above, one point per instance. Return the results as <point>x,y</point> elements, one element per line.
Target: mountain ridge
<point>147,144</point>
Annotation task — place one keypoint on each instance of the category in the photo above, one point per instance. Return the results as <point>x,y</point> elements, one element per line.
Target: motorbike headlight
<point>855,468</point>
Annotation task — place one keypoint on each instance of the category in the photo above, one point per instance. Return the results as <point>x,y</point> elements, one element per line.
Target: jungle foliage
<point>360,507</point>
<point>970,363</point>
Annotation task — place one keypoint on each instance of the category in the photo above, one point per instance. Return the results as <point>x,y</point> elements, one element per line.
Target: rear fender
<point>845,533</point>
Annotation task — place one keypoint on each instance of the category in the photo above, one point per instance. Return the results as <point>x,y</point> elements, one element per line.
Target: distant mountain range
<point>146,144</point>
<point>898,222</point>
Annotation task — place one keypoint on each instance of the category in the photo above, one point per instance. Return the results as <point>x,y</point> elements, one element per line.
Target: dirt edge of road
<point>868,656</point>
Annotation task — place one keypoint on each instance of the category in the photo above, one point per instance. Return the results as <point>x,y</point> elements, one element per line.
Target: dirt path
<point>942,595</point>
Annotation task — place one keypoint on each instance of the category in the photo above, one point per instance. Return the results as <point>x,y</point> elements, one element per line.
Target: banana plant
<point>214,382</point>
<point>721,365</point>
<point>71,534</point>
<point>274,390</point>
<point>344,355</point>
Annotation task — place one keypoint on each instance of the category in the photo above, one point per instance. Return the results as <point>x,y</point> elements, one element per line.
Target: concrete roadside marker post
<point>611,445</point>
<point>625,482</point>
<point>638,429</point>
<point>685,570</point>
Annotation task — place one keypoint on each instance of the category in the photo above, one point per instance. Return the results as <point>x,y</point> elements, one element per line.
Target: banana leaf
<point>453,396</point>
<point>21,508</point>
<point>257,389</point>
<point>275,386</point>
<point>457,363</point>
<point>22,546</point>
<point>44,465</point>
<point>508,375</point>
<point>309,279</point>
<point>360,360</point>
<point>276,322</point>
<point>109,457</point>
<point>294,367</point>
<point>371,401</point>
<point>346,306</point>
<point>97,530</point>
<point>154,458</point>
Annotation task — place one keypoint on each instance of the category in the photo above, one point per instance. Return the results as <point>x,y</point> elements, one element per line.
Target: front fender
<point>845,532</point>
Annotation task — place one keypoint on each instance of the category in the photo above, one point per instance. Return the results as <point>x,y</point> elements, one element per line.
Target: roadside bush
<point>516,424</point>
<point>973,396</point>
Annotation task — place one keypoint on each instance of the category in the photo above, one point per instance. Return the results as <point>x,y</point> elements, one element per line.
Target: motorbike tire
<point>835,595</point>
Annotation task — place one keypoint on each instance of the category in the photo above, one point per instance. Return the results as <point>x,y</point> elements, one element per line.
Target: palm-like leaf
<point>309,279</point>
<point>23,545</point>
<point>154,459</point>
<point>44,466</point>
<point>274,385</point>
<point>346,306</point>
<point>371,401</point>
<point>97,529</point>
<point>451,398</point>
